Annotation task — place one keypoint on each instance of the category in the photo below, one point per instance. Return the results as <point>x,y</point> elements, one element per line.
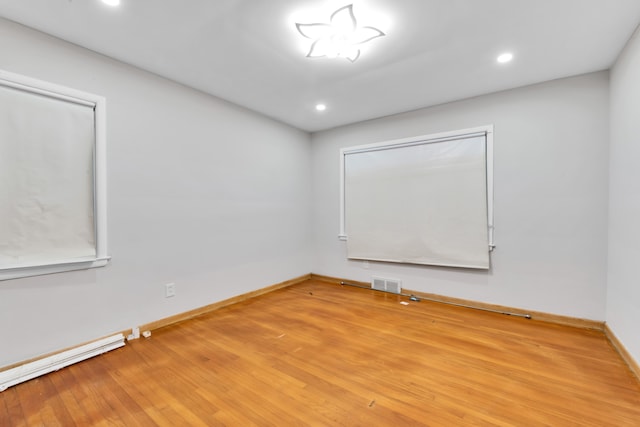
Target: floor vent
<point>386,285</point>
<point>58,361</point>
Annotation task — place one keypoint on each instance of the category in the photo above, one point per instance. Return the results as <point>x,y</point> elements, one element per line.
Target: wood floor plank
<point>56,411</point>
<point>317,354</point>
<point>64,382</point>
<point>12,413</point>
<point>34,403</point>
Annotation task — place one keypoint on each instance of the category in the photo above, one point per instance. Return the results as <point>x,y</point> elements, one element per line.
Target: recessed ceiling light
<point>505,57</point>
<point>111,2</point>
<point>321,107</point>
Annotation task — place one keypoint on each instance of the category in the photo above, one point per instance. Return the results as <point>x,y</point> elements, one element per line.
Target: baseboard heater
<point>58,361</point>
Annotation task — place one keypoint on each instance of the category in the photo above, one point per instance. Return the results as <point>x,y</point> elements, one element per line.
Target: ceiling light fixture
<point>111,2</point>
<point>321,107</point>
<point>341,37</point>
<point>505,57</point>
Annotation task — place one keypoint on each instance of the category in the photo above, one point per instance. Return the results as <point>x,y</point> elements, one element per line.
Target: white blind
<point>420,203</point>
<point>46,179</point>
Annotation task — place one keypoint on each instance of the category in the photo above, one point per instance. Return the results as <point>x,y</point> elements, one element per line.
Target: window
<point>52,178</point>
<point>423,200</point>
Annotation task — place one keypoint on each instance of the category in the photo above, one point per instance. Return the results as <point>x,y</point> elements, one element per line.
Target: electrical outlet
<point>170,290</point>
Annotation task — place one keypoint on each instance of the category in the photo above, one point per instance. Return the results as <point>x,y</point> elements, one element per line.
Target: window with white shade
<point>52,178</point>
<point>423,200</point>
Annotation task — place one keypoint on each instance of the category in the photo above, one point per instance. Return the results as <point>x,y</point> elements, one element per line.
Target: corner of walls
<point>623,292</point>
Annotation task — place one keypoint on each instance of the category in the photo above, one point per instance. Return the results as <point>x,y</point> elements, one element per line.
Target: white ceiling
<point>250,53</point>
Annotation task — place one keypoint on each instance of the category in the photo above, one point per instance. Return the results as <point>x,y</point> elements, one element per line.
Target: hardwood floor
<point>316,354</point>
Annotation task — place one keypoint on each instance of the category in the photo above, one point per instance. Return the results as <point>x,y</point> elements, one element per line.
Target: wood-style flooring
<point>316,354</point>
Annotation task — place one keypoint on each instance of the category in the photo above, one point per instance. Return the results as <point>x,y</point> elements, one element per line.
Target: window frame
<point>98,103</point>
<point>487,130</point>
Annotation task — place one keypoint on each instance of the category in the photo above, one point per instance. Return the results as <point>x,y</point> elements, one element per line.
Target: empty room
<point>319,213</point>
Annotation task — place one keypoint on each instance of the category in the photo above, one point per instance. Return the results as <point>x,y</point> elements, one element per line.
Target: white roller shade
<point>422,203</point>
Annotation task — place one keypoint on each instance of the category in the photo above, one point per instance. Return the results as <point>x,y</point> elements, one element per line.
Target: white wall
<point>623,286</point>
<point>201,193</point>
<point>551,178</point>
<point>217,199</point>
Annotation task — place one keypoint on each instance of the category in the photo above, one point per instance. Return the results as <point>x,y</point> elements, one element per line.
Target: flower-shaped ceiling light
<point>341,37</point>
